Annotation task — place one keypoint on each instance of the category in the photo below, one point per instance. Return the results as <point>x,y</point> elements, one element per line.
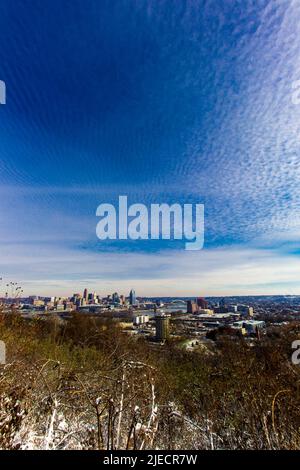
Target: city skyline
<point>191,104</point>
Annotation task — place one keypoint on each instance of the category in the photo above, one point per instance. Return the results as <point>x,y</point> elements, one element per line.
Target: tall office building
<point>162,326</point>
<point>116,298</point>
<point>92,297</point>
<point>85,294</point>
<point>191,307</point>
<point>202,303</point>
<point>132,297</point>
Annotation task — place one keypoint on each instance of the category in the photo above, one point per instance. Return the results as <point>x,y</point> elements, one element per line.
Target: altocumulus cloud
<point>163,101</point>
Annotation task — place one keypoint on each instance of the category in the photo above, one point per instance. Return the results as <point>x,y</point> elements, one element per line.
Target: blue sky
<point>163,101</point>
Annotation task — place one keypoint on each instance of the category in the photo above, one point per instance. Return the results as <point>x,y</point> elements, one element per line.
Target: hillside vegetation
<point>84,384</point>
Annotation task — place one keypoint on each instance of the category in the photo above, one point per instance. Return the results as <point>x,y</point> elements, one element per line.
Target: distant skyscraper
<point>92,297</point>
<point>132,297</point>
<point>192,307</point>
<point>201,302</point>
<point>85,294</point>
<point>115,297</point>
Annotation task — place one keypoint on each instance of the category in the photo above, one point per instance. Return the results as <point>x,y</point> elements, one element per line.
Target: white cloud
<point>208,272</point>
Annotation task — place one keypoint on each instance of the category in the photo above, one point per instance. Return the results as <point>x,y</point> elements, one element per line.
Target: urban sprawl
<point>195,321</point>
